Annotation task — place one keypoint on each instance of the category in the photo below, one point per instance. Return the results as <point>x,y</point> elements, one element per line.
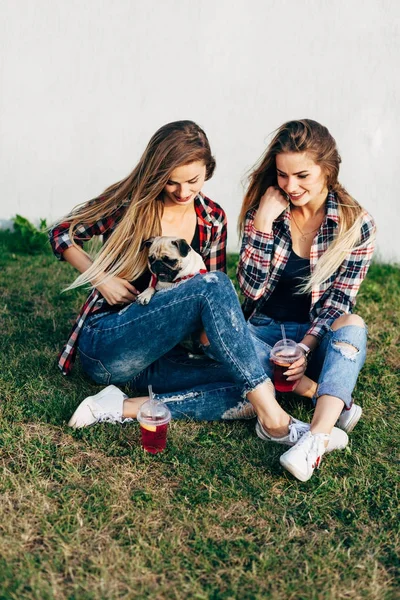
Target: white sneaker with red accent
<point>349,417</point>
<point>107,406</point>
<point>306,455</point>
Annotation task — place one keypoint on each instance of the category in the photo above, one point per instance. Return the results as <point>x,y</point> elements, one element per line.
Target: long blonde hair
<point>173,145</point>
<point>311,137</point>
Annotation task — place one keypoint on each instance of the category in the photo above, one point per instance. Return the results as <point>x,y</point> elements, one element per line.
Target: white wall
<point>85,83</point>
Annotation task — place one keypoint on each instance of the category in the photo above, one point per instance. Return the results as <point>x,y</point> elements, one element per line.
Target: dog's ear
<point>146,243</point>
<point>182,246</point>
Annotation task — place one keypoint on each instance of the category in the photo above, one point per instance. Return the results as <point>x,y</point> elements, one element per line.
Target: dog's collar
<point>202,272</point>
<point>153,280</point>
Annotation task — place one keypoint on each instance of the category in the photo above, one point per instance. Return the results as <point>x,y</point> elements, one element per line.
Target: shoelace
<point>297,430</point>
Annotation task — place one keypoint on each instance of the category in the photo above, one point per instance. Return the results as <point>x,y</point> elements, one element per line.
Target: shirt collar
<point>202,210</point>
<point>332,207</point>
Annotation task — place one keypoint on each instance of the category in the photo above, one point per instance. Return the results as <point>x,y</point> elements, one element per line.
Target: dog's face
<point>167,256</point>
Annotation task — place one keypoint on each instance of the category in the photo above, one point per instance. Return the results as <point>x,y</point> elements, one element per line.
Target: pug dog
<point>170,261</point>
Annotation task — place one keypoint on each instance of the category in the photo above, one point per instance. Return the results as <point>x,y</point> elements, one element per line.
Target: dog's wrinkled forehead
<point>163,245</point>
<point>171,246</point>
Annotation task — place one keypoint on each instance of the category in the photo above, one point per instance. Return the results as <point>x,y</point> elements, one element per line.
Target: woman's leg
<point>193,386</point>
<point>127,342</point>
<point>209,394</point>
<point>344,358</point>
<point>119,346</point>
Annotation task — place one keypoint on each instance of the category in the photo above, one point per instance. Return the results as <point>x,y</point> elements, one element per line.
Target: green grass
<point>87,515</point>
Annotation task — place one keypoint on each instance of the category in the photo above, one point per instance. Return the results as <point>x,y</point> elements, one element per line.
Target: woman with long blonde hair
<point>121,341</point>
<point>306,248</point>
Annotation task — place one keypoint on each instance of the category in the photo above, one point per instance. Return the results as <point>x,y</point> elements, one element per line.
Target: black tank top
<point>285,303</point>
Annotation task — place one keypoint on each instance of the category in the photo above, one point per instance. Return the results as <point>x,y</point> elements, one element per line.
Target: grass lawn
<point>87,515</point>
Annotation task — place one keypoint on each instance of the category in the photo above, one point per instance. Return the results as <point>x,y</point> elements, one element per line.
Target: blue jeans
<point>334,367</point>
<point>137,346</point>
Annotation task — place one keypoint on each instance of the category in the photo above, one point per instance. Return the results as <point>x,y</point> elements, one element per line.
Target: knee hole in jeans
<point>346,350</point>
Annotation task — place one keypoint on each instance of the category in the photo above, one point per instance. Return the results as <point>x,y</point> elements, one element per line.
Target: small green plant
<point>26,237</point>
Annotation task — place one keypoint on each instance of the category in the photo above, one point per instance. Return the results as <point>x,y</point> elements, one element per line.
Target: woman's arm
<point>115,290</point>
<point>60,238</point>
<point>258,244</point>
<point>342,294</point>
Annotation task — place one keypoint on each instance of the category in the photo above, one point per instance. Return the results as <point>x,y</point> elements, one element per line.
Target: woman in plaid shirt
<point>121,341</point>
<point>306,248</point>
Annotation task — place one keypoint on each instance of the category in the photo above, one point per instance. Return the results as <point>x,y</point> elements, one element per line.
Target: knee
<point>345,320</point>
<point>349,342</point>
<point>217,283</point>
<point>216,277</point>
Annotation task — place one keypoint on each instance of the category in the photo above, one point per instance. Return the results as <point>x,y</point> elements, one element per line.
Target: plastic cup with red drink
<point>154,417</point>
<point>283,355</point>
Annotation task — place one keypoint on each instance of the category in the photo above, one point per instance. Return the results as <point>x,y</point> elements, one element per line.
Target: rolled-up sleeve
<point>255,259</point>
<point>341,297</point>
<point>59,235</point>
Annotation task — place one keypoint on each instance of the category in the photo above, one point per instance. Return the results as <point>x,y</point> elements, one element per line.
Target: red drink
<point>154,437</point>
<point>283,355</point>
<point>280,382</point>
<point>154,417</point>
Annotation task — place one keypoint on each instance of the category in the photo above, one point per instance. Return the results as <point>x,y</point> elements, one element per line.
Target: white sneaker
<point>306,455</point>
<point>349,417</point>
<point>296,430</point>
<point>107,405</point>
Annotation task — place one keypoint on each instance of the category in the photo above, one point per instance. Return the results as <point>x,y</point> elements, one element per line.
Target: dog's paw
<point>145,297</point>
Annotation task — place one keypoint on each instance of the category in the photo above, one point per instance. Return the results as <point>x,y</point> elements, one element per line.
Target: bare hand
<point>272,203</point>
<point>296,369</point>
<point>117,291</point>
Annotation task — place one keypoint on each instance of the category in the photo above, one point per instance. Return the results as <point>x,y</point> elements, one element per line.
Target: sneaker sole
<point>353,421</point>
<point>292,469</point>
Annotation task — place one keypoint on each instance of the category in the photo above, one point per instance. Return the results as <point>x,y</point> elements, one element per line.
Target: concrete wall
<point>84,84</point>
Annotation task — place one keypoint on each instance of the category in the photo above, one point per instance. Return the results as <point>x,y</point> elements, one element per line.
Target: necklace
<point>303,233</point>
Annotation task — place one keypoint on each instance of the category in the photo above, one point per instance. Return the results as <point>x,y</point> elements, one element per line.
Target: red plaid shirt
<point>263,258</point>
<point>211,224</point>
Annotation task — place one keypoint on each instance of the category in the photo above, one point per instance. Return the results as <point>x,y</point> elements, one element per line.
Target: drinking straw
<point>283,333</point>
<point>151,397</point>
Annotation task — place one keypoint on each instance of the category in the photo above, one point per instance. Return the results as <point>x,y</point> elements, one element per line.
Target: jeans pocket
<point>260,320</point>
<point>94,368</point>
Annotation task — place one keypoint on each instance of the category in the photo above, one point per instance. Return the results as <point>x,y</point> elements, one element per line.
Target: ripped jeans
<point>137,345</point>
<point>335,364</point>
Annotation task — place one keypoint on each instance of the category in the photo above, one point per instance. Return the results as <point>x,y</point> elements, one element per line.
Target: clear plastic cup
<point>154,417</point>
<point>284,354</point>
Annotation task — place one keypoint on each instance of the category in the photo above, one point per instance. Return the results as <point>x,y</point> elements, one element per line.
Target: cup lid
<point>287,347</point>
<point>154,413</point>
